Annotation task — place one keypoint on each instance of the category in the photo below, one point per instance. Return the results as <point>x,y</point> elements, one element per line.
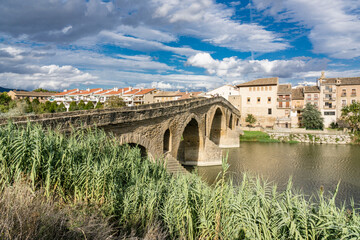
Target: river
<point>310,166</point>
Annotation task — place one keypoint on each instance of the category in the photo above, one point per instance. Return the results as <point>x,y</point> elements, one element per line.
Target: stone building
<point>165,96</point>
<point>311,95</point>
<point>283,106</point>
<point>297,105</point>
<point>335,94</point>
<point>259,97</point>
<point>19,95</point>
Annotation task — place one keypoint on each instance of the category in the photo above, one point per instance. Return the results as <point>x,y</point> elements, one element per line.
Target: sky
<point>175,44</point>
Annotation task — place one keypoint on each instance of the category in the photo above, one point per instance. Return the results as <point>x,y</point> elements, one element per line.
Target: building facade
<point>21,95</point>
<point>259,98</point>
<point>224,91</point>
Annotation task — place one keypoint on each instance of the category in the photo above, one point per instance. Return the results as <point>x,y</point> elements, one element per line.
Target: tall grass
<point>90,168</point>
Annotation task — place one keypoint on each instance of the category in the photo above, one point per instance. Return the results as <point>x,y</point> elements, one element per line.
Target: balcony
<point>353,95</point>
<point>283,106</point>
<point>343,94</point>
<point>329,90</point>
<point>283,99</point>
<point>329,99</point>
<point>329,107</point>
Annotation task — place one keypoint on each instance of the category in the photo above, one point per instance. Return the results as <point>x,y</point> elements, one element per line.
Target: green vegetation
<point>43,90</point>
<point>250,119</point>
<point>115,102</point>
<point>258,136</point>
<point>86,186</point>
<point>351,116</point>
<point>311,118</point>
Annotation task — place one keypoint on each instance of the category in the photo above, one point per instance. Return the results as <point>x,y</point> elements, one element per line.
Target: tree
<point>114,102</point>
<point>89,105</point>
<point>250,119</point>
<point>351,115</point>
<point>5,99</point>
<point>61,108</point>
<point>43,90</point>
<point>73,106</point>
<point>311,118</point>
<point>81,105</point>
<point>99,105</point>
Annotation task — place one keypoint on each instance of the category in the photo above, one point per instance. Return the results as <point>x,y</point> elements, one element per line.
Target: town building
<point>311,95</point>
<point>259,97</point>
<point>297,105</point>
<point>283,118</point>
<point>335,94</point>
<point>165,96</point>
<point>224,91</point>
<point>20,95</point>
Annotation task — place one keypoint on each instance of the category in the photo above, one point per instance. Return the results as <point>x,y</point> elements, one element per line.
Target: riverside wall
<point>306,136</point>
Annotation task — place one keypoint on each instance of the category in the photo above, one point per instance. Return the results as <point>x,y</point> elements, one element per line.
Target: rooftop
<point>33,94</point>
<point>311,89</point>
<point>284,89</point>
<point>260,82</point>
<point>297,93</point>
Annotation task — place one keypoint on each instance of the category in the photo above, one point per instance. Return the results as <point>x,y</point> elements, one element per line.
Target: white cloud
<point>233,67</point>
<point>49,77</point>
<point>334,25</point>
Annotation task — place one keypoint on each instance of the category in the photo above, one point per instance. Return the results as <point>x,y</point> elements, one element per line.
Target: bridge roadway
<point>185,132</point>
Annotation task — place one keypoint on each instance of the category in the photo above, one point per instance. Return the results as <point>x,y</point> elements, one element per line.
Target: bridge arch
<point>167,141</point>
<point>136,140</point>
<point>231,121</point>
<point>217,126</point>
<point>190,142</point>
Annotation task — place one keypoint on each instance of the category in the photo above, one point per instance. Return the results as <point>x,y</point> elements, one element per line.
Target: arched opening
<point>167,140</point>
<point>237,122</point>
<point>190,143</point>
<point>142,149</point>
<point>231,122</point>
<point>215,133</point>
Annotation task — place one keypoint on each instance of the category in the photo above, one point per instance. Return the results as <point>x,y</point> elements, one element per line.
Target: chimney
<point>116,89</point>
<point>130,88</point>
<point>88,89</point>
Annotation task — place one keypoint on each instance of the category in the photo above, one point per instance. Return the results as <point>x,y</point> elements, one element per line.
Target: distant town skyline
<point>172,44</point>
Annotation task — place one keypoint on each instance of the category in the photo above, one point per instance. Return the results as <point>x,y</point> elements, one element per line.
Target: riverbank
<point>85,185</point>
<point>259,136</point>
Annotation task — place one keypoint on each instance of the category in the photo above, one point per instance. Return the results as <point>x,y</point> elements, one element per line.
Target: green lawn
<point>256,136</point>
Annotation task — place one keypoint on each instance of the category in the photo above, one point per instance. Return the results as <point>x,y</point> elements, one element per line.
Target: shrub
<point>311,118</point>
<point>250,119</point>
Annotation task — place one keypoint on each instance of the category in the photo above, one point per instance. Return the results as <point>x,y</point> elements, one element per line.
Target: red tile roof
<point>120,91</point>
<point>66,92</point>
<point>132,92</point>
<point>145,91</point>
<point>260,82</point>
<point>84,92</point>
<point>103,92</point>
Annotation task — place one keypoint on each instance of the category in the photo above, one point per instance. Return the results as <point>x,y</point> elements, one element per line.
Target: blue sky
<point>175,44</point>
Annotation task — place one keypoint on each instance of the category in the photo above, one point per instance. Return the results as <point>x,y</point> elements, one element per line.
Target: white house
<point>224,91</point>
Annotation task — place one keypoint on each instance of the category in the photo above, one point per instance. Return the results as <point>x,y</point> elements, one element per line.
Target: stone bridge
<point>185,132</point>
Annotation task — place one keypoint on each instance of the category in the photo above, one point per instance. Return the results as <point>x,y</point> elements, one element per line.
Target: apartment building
<point>165,96</point>
<point>259,97</point>
<point>297,105</point>
<point>335,94</point>
<point>19,95</point>
<point>311,95</point>
<point>283,106</point>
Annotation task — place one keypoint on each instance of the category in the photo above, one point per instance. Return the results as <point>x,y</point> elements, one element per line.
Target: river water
<point>310,166</point>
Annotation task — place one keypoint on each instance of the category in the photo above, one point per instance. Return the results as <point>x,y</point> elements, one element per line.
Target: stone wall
<point>312,137</point>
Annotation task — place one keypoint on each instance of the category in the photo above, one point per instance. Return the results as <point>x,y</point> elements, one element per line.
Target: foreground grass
<point>88,186</point>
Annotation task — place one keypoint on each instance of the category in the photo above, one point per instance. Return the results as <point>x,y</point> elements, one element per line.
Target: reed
<point>90,168</point>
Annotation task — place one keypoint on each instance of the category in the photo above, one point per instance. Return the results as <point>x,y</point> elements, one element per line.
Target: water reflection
<point>311,166</point>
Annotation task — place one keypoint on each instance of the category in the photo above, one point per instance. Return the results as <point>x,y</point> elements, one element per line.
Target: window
<point>269,111</point>
<point>353,101</point>
<point>353,92</point>
<point>258,88</point>
<point>316,96</point>
<point>258,100</point>
<point>329,113</point>
<point>287,112</point>
<point>248,100</point>
<point>309,96</point>
<point>250,89</point>
<point>266,88</point>
<point>269,99</point>
<point>343,92</point>
<point>343,102</point>
<point>270,88</point>
<point>262,88</point>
